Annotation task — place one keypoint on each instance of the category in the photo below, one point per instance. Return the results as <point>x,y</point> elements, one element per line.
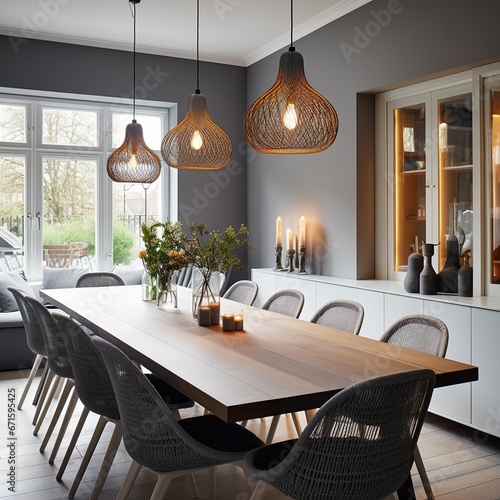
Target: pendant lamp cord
<point>292,48</point>
<point>197,47</point>
<point>133,89</point>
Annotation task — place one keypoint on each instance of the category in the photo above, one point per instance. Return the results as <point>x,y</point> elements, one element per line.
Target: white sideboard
<point>473,324</point>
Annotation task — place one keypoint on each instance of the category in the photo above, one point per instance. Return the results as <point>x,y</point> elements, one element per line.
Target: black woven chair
<point>425,334</point>
<point>97,395</point>
<point>59,363</point>
<point>333,459</point>
<point>99,279</point>
<point>156,440</point>
<point>36,343</point>
<point>345,315</point>
<point>244,291</point>
<point>288,301</point>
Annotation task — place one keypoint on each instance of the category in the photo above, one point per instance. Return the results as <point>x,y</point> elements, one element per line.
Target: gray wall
<point>216,198</point>
<point>334,189</point>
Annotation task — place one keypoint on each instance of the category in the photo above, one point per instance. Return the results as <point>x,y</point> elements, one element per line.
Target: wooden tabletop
<point>276,365</point>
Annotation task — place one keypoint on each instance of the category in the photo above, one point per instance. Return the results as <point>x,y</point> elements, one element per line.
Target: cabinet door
<point>492,191</point>
<point>267,285</point>
<point>410,165</point>
<point>397,306</point>
<point>485,349</point>
<point>454,401</point>
<point>455,174</point>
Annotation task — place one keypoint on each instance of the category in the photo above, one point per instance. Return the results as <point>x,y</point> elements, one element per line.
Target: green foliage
<point>123,242</point>
<point>84,230</point>
<point>74,230</point>
<point>213,250</point>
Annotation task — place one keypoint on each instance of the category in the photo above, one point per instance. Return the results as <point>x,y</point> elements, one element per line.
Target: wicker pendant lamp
<point>196,143</point>
<point>133,161</point>
<point>291,117</point>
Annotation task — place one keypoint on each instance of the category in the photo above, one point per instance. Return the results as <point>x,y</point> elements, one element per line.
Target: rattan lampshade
<point>133,161</point>
<point>197,143</point>
<point>291,117</point>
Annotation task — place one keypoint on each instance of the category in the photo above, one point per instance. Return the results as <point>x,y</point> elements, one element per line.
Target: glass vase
<point>148,288</point>
<point>206,292</point>
<point>166,294</point>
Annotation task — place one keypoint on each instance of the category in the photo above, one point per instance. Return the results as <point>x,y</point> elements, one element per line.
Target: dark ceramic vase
<point>448,276</point>
<point>465,279</point>
<point>428,278</point>
<point>412,277</point>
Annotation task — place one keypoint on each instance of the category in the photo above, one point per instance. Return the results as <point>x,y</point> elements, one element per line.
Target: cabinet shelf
<point>458,167</point>
<point>415,218</point>
<point>414,172</point>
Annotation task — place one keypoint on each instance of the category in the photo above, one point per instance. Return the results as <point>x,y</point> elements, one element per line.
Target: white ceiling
<point>238,32</point>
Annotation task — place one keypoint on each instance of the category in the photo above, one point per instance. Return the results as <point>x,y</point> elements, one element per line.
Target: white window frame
<point>34,150</point>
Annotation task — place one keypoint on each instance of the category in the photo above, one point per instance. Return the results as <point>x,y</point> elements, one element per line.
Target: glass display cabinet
<point>455,173</point>
<point>432,154</point>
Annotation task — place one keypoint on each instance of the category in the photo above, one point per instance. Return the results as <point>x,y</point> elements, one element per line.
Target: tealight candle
<point>228,322</point>
<point>238,322</point>
<point>215,312</point>
<point>204,315</point>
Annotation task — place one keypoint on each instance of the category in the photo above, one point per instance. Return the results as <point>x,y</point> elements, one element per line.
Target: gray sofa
<point>14,351</point>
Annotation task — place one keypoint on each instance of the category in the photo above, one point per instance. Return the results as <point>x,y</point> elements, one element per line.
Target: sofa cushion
<point>7,301</point>
<point>61,277</point>
<point>131,275</point>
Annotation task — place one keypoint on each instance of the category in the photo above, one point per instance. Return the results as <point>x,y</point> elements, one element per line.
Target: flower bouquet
<point>164,253</point>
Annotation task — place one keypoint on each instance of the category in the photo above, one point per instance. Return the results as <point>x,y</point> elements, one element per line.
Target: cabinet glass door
<point>410,182</point>
<point>455,173</point>
<point>493,158</point>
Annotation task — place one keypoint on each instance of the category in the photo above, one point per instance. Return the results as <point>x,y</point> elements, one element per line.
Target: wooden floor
<point>461,463</point>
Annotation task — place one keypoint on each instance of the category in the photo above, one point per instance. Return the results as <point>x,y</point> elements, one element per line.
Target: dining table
<point>275,365</point>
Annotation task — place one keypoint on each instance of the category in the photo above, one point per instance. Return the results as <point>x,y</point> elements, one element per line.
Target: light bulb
<point>290,117</point>
<point>196,140</point>
<point>133,161</point>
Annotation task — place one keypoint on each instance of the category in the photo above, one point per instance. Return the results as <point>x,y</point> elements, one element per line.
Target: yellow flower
<point>142,253</point>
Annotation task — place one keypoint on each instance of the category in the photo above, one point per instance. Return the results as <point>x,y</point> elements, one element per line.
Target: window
<point>56,196</point>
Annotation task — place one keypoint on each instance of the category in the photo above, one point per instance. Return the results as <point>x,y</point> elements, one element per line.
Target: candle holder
<point>290,260</point>
<point>228,322</point>
<point>279,251</point>
<point>296,262</point>
<point>302,260</point>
